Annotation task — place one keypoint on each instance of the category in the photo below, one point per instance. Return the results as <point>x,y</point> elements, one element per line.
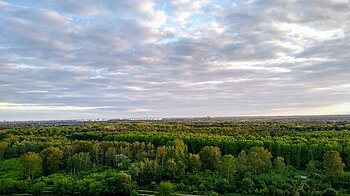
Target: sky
<point>73,59</point>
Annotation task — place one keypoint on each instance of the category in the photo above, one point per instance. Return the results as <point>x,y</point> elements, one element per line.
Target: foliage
<point>227,167</point>
<point>12,168</point>
<point>333,164</point>
<point>52,157</point>
<point>122,161</point>
<point>198,157</point>
<point>78,162</point>
<point>37,188</point>
<point>165,189</point>
<point>194,162</point>
<point>32,164</point>
<point>210,157</point>
<point>279,163</point>
<point>247,186</point>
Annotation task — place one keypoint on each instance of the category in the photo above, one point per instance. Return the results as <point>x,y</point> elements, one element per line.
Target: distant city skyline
<point>182,58</point>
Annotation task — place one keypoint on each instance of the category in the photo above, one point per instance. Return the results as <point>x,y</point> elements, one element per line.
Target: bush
<point>10,186</point>
<point>165,189</point>
<point>119,184</point>
<point>37,188</point>
<point>247,186</point>
<point>63,186</point>
<point>212,193</point>
<point>329,192</point>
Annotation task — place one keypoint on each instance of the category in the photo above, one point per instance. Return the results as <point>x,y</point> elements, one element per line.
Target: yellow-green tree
<point>3,148</point>
<point>227,167</point>
<point>194,162</point>
<point>210,157</point>
<point>334,167</point>
<point>259,159</point>
<point>32,164</point>
<point>52,157</point>
<point>279,163</point>
<point>180,148</point>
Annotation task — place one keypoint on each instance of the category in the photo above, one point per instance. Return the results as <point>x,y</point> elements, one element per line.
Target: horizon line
<point>155,118</point>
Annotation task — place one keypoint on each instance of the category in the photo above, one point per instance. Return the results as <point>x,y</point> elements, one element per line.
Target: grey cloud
<point>206,58</point>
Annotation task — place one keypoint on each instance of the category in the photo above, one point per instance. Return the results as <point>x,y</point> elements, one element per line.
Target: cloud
<point>35,107</point>
<point>173,58</point>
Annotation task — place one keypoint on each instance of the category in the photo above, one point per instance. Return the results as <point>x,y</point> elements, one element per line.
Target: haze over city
<point>110,59</point>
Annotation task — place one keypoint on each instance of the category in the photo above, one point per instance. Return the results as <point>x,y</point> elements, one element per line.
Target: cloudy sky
<point>72,59</point>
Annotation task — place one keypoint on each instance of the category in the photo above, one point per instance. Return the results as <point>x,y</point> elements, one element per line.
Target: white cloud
<point>180,58</point>
<point>36,107</point>
<point>137,110</point>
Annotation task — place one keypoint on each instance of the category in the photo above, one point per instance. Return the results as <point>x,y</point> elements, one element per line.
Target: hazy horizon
<point>157,58</point>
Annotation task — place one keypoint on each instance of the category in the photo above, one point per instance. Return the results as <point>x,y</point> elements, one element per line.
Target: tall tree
<point>334,167</point>
<point>3,148</point>
<point>278,163</point>
<point>259,159</point>
<point>110,154</point>
<point>152,170</point>
<point>242,161</point>
<point>193,162</point>
<point>32,164</point>
<point>180,148</point>
<point>78,162</point>
<point>210,157</point>
<point>52,157</point>
<point>227,167</point>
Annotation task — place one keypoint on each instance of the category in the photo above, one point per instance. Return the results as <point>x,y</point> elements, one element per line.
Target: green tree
<point>312,167</point>
<point>3,148</point>
<point>227,167</point>
<point>172,164</point>
<point>180,148</point>
<point>98,153</point>
<point>242,162</point>
<point>259,159</point>
<point>170,168</point>
<point>137,170</point>
<point>119,184</point>
<point>279,163</point>
<point>110,156</point>
<point>194,162</point>
<point>78,162</point>
<point>122,161</point>
<point>52,157</point>
<point>160,154</point>
<point>32,164</point>
<point>210,157</point>
<point>152,170</point>
<point>334,167</point>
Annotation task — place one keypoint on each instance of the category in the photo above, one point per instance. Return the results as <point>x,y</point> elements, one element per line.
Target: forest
<point>176,157</point>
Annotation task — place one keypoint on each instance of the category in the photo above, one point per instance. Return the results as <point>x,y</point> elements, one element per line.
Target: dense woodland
<point>165,158</point>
